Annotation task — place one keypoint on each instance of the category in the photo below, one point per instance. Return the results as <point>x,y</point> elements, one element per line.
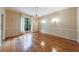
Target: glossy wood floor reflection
<point>39,42</point>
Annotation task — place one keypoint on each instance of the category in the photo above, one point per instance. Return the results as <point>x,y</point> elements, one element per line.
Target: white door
<point>0,31</point>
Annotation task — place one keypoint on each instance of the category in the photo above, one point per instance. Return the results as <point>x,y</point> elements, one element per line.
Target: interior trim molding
<point>59,36</point>
<point>6,38</point>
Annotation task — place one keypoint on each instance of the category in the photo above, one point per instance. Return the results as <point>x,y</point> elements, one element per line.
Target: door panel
<point>1,28</point>
<point>27,25</point>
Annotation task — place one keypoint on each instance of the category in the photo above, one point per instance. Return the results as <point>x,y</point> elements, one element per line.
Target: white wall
<point>35,25</point>
<point>2,11</point>
<point>12,23</point>
<point>22,24</point>
<point>65,25</point>
<point>78,25</point>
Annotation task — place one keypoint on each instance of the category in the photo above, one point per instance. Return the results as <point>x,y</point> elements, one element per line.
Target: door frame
<point>28,19</point>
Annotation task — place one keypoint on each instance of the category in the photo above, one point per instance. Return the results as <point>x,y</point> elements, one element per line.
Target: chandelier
<point>36,13</point>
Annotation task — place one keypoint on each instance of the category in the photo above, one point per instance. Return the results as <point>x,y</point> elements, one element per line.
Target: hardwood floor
<point>39,42</point>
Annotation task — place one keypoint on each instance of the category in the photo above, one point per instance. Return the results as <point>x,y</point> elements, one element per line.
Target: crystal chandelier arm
<point>36,11</point>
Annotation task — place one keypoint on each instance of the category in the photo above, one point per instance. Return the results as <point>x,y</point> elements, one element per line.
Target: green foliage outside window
<point>27,24</point>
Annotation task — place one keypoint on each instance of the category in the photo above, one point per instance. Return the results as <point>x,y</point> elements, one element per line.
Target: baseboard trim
<point>12,36</point>
<point>59,36</point>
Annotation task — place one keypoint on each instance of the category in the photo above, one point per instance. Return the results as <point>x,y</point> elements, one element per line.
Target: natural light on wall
<point>43,21</point>
<point>22,24</point>
<point>55,20</point>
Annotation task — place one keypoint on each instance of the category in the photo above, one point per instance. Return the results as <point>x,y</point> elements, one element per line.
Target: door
<point>1,28</point>
<point>27,25</point>
<point>0,31</point>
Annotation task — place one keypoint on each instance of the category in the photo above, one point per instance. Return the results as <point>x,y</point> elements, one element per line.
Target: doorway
<point>1,28</point>
<point>27,24</point>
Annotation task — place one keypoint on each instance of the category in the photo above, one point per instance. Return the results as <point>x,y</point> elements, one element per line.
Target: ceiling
<point>41,11</point>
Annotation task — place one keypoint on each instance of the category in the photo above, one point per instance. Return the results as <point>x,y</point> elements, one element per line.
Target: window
<point>27,25</point>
